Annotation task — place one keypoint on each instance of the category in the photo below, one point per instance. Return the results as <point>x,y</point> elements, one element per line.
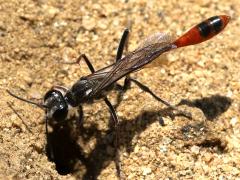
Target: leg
<point>80,118</point>
<point>89,64</point>
<point>110,106</point>
<point>120,49</point>
<point>122,44</point>
<point>146,89</point>
<point>122,90</point>
<point>118,56</point>
<point>127,84</point>
<point>116,122</point>
<point>85,58</point>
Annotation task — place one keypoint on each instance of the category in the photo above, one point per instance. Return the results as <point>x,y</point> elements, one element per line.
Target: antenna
<point>42,106</point>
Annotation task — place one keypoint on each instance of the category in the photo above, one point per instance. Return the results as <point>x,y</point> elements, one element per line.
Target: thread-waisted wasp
<point>59,100</point>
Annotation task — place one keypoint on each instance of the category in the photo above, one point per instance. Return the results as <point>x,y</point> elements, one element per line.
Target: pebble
<point>88,22</point>
<point>103,24</point>
<point>195,149</point>
<point>163,149</point>
<point>146,170</point>
<point>234,121</point>
<point>50,10</point>
<point>35,94</point>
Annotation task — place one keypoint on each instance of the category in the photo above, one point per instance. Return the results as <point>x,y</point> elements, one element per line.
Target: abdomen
<point>203,31</point>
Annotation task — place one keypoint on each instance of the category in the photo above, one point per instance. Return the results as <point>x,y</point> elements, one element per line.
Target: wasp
<point>59,100</point>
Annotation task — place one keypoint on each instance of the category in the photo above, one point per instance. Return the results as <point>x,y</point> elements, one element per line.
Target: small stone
<point>28,79</point>
<point>59,24</point>
<point>69,55</point>
<point>201,63</point>
<point>207,157</point>
<point>103,24</point>
<point>163,149</point>
<point>195,149</point>
<point>34,93</point>
<point>88,23</point>
<point>233,121</point>
<point>166,140</point>
<point>146,171</point>
<point>50,10</point>
<point>229,94</point>
<point>136,149</point>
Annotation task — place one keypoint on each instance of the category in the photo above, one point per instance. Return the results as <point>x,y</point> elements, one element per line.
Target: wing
<point>100,74</point>
<point>157,38</point>
<point>149,50</point>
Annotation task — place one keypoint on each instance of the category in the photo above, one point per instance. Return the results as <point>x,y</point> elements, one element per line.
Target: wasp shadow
<point>64,150</point>
<point>211,107</point>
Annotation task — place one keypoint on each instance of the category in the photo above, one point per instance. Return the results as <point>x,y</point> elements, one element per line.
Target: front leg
<point>123,43</point>
<point>87,61</point>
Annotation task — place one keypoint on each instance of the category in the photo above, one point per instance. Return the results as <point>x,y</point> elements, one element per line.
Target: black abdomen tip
<point>211,26</point>
<point>216,23</point>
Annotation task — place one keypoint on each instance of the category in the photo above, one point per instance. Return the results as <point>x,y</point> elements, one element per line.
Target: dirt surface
<point>36,36</point>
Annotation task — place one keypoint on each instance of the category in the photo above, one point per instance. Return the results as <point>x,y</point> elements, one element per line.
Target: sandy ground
<point>36,35</point>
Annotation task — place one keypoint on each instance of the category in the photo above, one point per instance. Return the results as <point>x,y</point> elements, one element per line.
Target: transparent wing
<point>100,74</point>
<point>158,37</point>
<point>150,49</point>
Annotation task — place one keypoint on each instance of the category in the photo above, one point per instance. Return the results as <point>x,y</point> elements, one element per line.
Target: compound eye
<point>60,113</point>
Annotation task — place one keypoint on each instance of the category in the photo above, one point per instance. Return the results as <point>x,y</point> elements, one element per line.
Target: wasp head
<point>57,107</point>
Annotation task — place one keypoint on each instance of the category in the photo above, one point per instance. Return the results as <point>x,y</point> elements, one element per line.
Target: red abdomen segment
<point>203,31</point>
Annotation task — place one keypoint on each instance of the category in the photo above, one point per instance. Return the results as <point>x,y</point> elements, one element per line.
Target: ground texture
<point>35,36</point>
